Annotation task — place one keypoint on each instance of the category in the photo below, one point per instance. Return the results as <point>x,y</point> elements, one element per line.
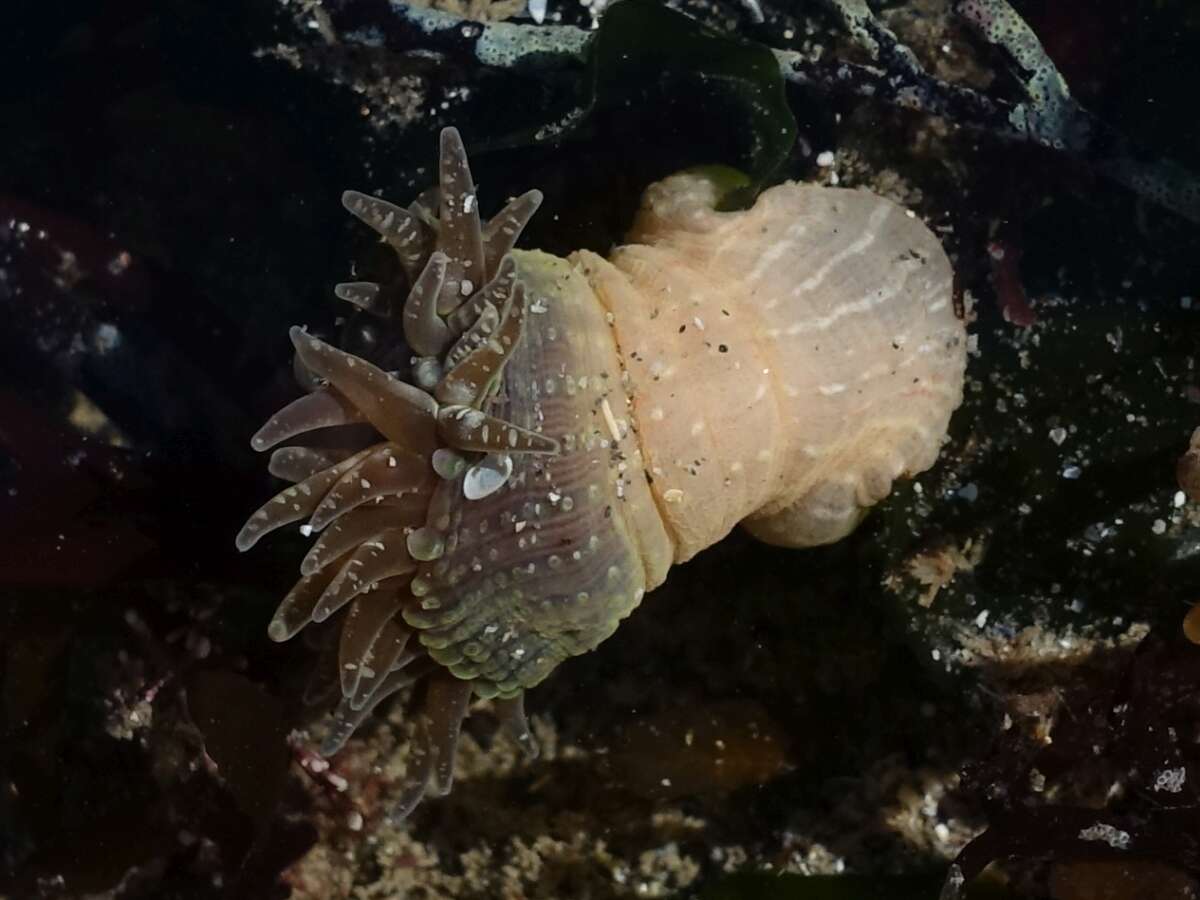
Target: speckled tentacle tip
<point>573,427</point>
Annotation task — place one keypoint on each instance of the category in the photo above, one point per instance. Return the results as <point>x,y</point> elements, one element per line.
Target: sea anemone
<point>553,434</point>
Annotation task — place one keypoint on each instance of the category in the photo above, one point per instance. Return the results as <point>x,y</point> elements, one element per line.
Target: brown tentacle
<point>464,428</point>
<point>484,326</point>
<point>369,568</point>
<point>501,232</point>
<point>383,557</point>
<point>320,409</point>
<point>306,380</point>
<point>295,464</point>
<point>511,713</point>
<point>495,293</point>
<point>400,412</point>
<point>445,707</point>
<point>363,524</point>
<point>385,652</point>
<point>426,206</point>
<point>297,607</point>
<point>365,622</point>
<point>460,235</point>
<point>473,379</point>
<point>424,329</point>
<point>386,470</point>
<point>366,295</point>
<point>421,761</point>
<point>402,230</point>
<point>345,720</point>
<point>294,503</point>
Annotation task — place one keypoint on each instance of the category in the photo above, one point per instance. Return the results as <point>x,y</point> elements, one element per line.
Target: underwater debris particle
<point>1171,780</point>
<point>936,567</point>
<point>1101,831</point>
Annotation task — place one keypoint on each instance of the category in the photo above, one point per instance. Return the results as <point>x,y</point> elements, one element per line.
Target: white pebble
<point>487,476</point>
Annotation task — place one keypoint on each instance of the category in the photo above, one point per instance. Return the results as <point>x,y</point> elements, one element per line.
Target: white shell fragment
<point>487,476</point>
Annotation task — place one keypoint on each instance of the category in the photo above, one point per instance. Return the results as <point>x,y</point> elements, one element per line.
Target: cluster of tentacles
<point>379,502</point>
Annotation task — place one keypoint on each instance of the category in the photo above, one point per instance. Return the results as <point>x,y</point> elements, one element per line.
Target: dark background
<point>168,207</point>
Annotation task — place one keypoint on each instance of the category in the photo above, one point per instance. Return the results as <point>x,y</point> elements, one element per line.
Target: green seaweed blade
<point>645,50</point>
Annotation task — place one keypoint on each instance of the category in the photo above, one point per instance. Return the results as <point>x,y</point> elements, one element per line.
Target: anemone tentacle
<point>384,511</point>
